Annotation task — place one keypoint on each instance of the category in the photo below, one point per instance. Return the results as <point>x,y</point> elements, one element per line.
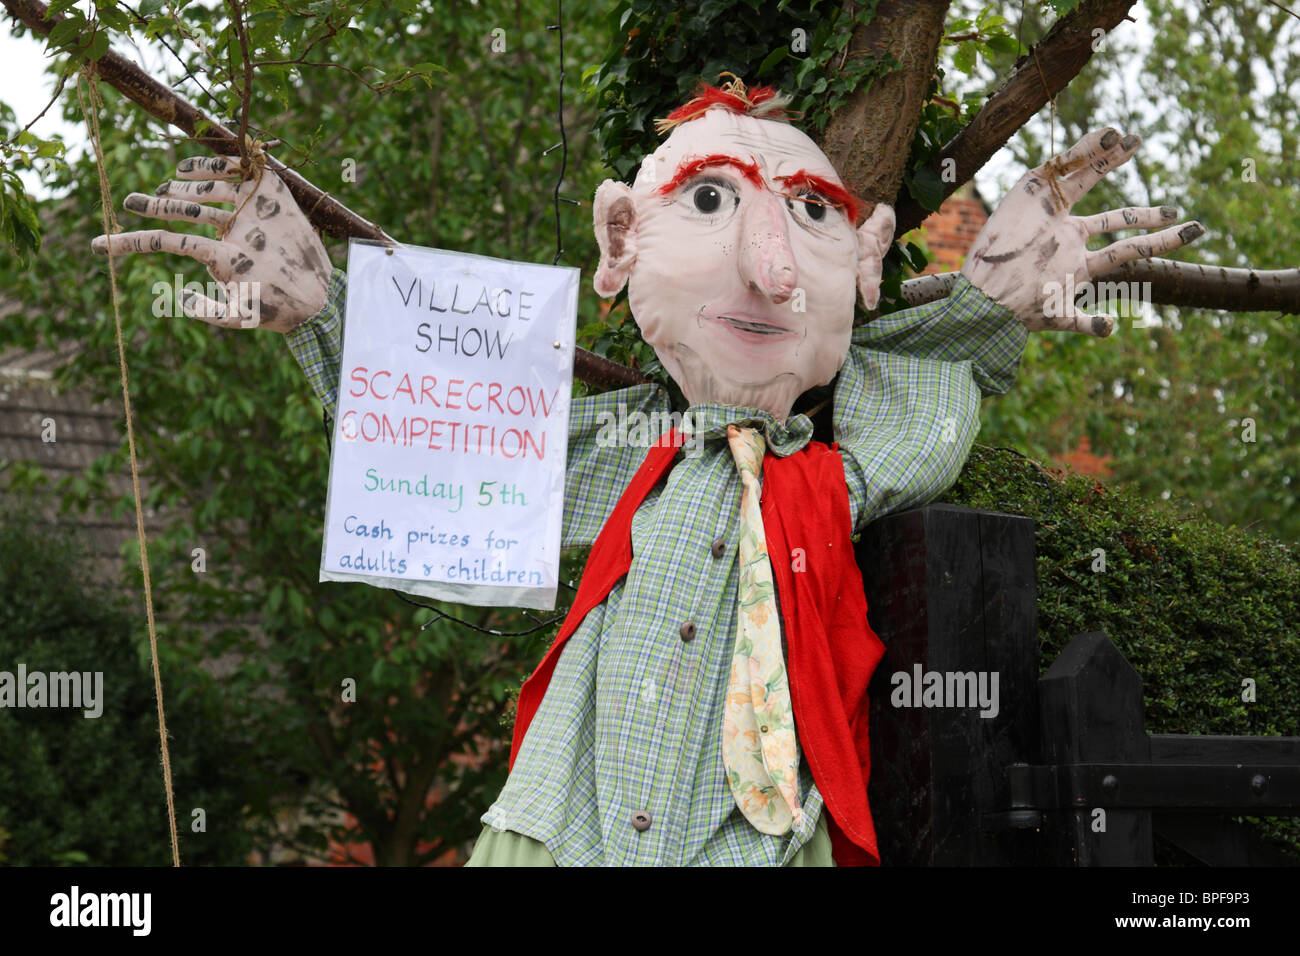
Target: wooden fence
<point>1028,771</point>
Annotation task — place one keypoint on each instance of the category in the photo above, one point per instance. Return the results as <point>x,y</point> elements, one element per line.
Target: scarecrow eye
<point>711,197</point>
<point>708,199</point>
<point>809,208</point>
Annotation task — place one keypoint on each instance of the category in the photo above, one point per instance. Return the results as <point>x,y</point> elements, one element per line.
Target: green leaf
<point>65,31</point>
<point>1003,44</point>
<point>114,18</point>
<point>98,46</point>
<point>158,25</point>
<point>964,58</point>
<point>915,256</point>
<point>926,187</point>
<point>1062,7</point>
<point>772,59</point>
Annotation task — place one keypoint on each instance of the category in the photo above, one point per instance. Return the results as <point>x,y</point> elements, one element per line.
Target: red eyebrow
<point>833,192</point>
<point>692,165</point>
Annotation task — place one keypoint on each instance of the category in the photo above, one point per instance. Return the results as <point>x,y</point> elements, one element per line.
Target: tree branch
<point>868,139</point>
<point>1062,53</point>
<point>1214,287</point>
<point>1172,283</point>
<point>324,211</point>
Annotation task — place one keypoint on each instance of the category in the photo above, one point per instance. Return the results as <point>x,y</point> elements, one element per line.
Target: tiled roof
<point>32,410</point>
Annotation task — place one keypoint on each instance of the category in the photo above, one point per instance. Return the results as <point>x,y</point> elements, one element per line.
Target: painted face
<point>745,271</point>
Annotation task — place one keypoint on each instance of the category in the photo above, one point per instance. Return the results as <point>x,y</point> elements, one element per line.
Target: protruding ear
<point>615,220</point>
<point>875,236</point>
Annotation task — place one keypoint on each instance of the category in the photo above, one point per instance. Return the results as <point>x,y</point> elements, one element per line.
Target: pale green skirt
<point>507,848</point>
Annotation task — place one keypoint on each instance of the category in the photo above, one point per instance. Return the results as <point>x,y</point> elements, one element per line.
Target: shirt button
<point>719,547</point>
<point>687,630</point>
<point>641,820</point>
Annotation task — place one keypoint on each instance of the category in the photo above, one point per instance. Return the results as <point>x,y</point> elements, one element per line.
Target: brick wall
<point>950,232</point>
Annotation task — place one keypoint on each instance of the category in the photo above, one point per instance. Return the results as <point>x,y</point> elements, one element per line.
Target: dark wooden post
<point>1092,712</point>
<point>953,590</point>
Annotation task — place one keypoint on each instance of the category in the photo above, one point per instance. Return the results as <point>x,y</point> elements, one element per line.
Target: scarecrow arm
<point>317,344</point>
<point>967,326</point>
<point>266,256</point>
<point>904,426</point>
<point>1031,251</point>
<point>1026,260</point>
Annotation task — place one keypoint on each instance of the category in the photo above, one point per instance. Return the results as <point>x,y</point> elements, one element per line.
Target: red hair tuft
<point>762,101</point>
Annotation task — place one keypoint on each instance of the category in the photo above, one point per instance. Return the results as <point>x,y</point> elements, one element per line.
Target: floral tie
<point>759,748</point>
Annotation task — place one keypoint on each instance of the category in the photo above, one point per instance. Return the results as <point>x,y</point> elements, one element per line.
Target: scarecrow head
<point>741,250</point>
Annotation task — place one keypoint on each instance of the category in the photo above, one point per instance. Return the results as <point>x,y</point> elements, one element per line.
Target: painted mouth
<point>753,328</point>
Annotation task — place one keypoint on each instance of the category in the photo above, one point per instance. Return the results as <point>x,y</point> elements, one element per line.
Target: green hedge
<point>1196,607</point>
<point>79,790</point>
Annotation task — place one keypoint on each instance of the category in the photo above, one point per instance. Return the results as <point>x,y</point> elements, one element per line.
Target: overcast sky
<point>27,89</point>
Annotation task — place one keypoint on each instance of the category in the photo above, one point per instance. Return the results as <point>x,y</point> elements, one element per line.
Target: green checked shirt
<point>632,719</point>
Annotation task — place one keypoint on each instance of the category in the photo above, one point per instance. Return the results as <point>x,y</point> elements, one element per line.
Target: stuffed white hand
<point>1032,242</point>
<point>268,259</point>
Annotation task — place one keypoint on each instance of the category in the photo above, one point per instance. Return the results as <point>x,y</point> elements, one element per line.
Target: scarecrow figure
<point>705,700</point>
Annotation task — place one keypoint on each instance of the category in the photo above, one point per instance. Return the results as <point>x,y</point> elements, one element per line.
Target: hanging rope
<point>564,141</point>
<point>91,114</point>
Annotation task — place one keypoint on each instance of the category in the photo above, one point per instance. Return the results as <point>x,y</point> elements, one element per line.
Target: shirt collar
<point>783,438</point>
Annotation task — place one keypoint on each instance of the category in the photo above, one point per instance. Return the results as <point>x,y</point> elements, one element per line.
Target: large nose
<point>766,262</point>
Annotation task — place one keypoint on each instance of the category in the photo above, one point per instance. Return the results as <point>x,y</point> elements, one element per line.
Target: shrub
<point>1195,606</point>
<point>89,790</point>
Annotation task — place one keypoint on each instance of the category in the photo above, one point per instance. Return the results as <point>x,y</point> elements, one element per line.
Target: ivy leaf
<point>926,188</point>
<point>772,59</point>
<point>915,256</point>
<point>806,67</point>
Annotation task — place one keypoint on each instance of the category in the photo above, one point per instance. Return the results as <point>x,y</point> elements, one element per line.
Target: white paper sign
<point>447,470</point>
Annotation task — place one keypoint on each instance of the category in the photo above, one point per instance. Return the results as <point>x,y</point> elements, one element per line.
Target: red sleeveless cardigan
<point>831,649</point>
